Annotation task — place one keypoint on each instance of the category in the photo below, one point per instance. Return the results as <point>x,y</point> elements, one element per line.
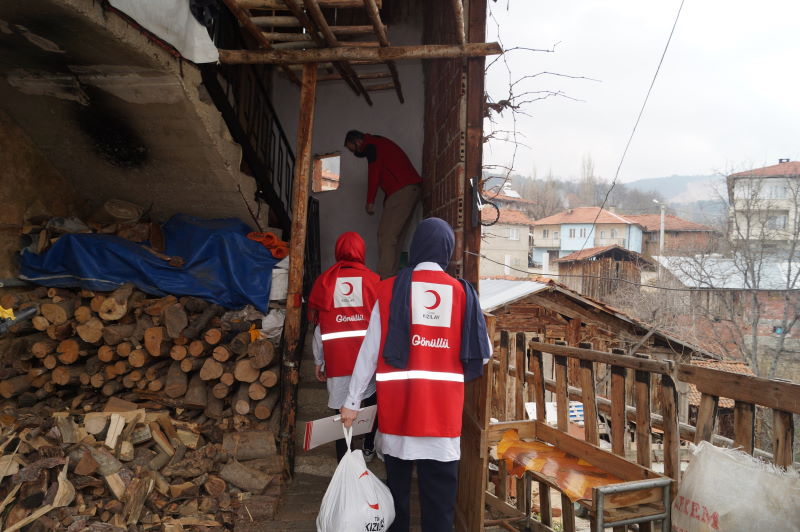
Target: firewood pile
<point>158,413</point>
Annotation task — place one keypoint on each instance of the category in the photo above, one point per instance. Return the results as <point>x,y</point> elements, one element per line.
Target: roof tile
<point>792,168</point>
<point>730,366</point>
<point>584,215</point>
<point>652,222</point>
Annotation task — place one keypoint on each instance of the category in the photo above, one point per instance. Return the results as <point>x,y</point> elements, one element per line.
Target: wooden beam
<point>396,53</point>
<point>642,364</point>
<point>278,4</point>
<point>299,13</point>
<point>371,75</point>
<point>282,21</point>
<point>458,13</point>
<point>285,36</point>
<point>557,302</point>
<point>782,395</point>
<point>380,87</point>
<point>297,244</point>
<point>380,31</point>
<point>244,19</point>
<point>330,39</point>
<point>352,30</point>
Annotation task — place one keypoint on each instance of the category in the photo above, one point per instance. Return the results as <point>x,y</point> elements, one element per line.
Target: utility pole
<point>663,207</point>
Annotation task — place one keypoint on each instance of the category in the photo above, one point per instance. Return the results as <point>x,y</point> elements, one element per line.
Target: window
<point>572,233</point>
<point>326,172</point>
<point>777,192</point>
<point>613,233</point>
<point>555,235</point>
<point>602,235</point>
<point>583,232</point>
<point>545,233</point>
<point>513,233</point>
<point>776,221</point>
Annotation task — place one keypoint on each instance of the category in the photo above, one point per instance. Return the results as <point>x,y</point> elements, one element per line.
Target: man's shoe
<point>369,454</point>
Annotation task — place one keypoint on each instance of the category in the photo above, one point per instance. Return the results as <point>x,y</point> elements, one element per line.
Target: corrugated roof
<point>652,222</point>
<point>584,215</point>
<point>711,272</point>
<point>792,168</point>
<point>503,197</point>
<point>586,253</point>
<point>723,365</point>
<point>507,216</point>
<point>495,293</point>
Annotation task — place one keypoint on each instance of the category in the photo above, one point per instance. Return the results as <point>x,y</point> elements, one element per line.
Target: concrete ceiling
<point>110,119</point>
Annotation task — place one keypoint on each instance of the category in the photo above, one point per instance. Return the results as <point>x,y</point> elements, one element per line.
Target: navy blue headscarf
<point>433,241</point>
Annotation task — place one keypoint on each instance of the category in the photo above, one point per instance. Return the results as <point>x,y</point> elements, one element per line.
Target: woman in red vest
<point>426,337</point>
<point>341,302</point>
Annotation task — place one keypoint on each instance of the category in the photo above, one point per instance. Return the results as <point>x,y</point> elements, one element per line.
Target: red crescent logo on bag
<point>364,474</point>
<point>349,289</point>
<point>437,300</point>
<point>375,506</point>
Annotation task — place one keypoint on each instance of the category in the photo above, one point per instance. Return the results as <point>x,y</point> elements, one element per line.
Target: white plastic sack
<point>356,501</point>
<point>730,491</point>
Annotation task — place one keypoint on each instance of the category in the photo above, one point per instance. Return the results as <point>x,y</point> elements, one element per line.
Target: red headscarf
<point>350,253</point>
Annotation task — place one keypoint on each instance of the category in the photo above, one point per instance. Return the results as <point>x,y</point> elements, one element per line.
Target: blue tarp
<point>221,264</point>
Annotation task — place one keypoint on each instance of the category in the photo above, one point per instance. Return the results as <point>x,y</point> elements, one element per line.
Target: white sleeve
<point>316,347</point>
<point>491,350</point>
<point>367,361</point>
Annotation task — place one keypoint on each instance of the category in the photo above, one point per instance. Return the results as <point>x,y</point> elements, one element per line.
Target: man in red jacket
<point>391,171</point>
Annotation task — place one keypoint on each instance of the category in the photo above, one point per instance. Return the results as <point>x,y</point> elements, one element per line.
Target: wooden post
<point>782,437</point>
<point>669,413</point>
<point>588,398</point>
<point>297,244</point>
<point>643,431</point>
<point>562,396</point>
<point>744,417</point>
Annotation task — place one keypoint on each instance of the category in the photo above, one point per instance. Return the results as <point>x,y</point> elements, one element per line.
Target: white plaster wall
<point>338,110</point>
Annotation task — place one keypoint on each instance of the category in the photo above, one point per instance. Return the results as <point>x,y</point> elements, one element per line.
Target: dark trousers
<point>437,482</point>
<point>369,437</point>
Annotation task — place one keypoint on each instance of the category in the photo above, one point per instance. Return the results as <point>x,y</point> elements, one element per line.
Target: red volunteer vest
<point>426,398</point>
<point>344,326</point>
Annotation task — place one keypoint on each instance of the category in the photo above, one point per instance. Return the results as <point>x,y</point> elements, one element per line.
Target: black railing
<point>242,96</point>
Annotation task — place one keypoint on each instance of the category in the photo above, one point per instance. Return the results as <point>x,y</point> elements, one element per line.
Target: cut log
<point>155,341</point>
<point>42,348</point>
<point>70,350</point>
<point>97,302</point>
<point>211,370</point>
<point>161,439</point>
<point>196,393</point>
<point>156,307</point>
<point>90,331</point>
<point>249,445</point>
<point>93,365</point>
<point>14,386</point>
<point>176,382</point>
<point>97,380</point>
<point>214,406</point>
<point>245,372</point>
<point>154,370</point>
<point>175,320</point>
<point>212,336</point>
<point>241,400</point>
<point>58,313</point>
<point>50,361</point>
<point>244,477</point>
<point>227,378</point>
<point>268,378</point>
<point>221,353</point>
<point>114,334</point>
<point>40,323</point>
<point>178,352</point>
<point>139,358</point>
<point>191,364</point>
<point>116,305</point>
<point>220,391</point>
<point>59,294</point>
<point>83,314</point>
<point>256,391</point>
<point>200,322</point>
<point>111,388</point>
<point>215,486</point>
<point>197,348</point>
<point>106,353</point>
<point>60,332</point>
<point>264,408</point>
<point>121,367</point>
<point>194,305</point>
<point>240,343</point>
<point>67,375</point>
<point>142,324</point>
<point>261,353</point>
<point>124,349</point>
<point>156,385</point>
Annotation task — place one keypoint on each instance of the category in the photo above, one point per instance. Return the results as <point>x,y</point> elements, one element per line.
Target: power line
<point>481,255</point>
<point>636,124</point>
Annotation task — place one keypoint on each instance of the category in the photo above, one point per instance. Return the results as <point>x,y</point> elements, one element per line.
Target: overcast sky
<point>727,96</point>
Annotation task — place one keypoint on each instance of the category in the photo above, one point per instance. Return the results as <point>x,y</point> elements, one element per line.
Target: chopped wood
<point>191,364</point>
<point>256,391</point>
<point>264,408</point>
<point>116,424</point>
<point>124,349</point>
<point>58,313</point>
<point>156,307</point>
<point>116,485</point>
<point>197,348</point>
<point>155,341</point>
<point>138,358</point>
<point>249,445</point>
<point>214,405</point>
<point>197,324</point>
<point>40,323</point>
<point>244,477</point>
<point>97,302</point>
<point>70,350</point>
<point>240,343</point>
<point>211,370</point>
<point>175,320</point>
<point>111,387</point>
<point>241,399</point>
<point>106,353</point>
<point>117,333</point>
<point>176,381</point>
<point>178,352</point>
<point>87,465</point>
<point>14,386</point>
<point>221,353</point>
<point>135,496</point>
<point>196,392</point>
<point>212,336</point>
<point>60,332</point>
<point>67,375</point>
<point>215,486</point>
<point>160,439</point>
<point>115,306</point>
<point>261,353</point>
<point>227,378</point>
<point>83,314</point>
<point>245,372</point>
<point>44,347</point>
<point>268,378</point>
<point>90,331</point>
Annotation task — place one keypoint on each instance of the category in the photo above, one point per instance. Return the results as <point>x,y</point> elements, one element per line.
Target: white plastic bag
<point>728,490</point>
<point>356,501</point>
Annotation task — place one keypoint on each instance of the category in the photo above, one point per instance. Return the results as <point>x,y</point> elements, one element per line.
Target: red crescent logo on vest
<point>350,285</point>
<point>437,301</point>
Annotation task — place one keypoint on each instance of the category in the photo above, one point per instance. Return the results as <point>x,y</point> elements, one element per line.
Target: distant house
<point>599,272</point>
<point>506,243</point>
<point>765,205</point>
<point>680,236</point>
<point>507,198</point>
<point>581,228</point>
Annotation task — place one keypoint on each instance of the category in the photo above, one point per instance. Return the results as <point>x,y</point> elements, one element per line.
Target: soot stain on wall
<point>110,132</point>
